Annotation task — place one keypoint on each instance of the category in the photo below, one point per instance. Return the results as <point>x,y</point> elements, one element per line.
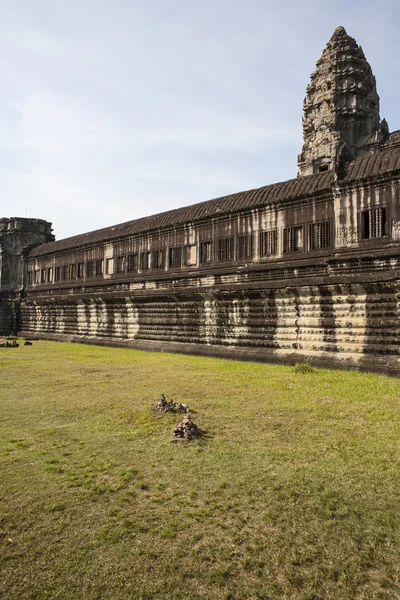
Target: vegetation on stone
<point>303,367</point>
<point>295,495</point>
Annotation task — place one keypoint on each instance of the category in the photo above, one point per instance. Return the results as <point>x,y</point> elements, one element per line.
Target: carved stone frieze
<point>396,230</point>
<point>345,236</point>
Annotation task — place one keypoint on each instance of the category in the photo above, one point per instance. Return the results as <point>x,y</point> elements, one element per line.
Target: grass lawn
<point>293,494</point>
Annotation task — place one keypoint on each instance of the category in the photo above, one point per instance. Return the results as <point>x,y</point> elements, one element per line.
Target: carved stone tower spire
<point>341,110</point>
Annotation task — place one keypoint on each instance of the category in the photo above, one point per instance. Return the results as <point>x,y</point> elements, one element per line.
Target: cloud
<point>110,111</point>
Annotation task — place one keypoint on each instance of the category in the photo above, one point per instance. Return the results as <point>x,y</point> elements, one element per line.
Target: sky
<point>111,111</point>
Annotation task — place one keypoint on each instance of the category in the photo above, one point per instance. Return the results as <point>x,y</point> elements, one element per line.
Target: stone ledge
<point>388,365</point>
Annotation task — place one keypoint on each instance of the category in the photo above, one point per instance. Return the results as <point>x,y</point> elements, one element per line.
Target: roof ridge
<point>297,187</point>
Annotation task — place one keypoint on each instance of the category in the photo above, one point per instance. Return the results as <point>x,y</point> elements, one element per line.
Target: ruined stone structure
<point>17,237</point>
<point>304,269</point>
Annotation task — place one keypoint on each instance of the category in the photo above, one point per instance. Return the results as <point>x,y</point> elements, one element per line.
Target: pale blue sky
<point>115,110</point>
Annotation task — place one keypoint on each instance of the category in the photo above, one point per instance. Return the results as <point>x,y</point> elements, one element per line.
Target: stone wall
<point>9,313</point>
<point>347,320</point>
<point>17,237</point>
<point>336,303</point>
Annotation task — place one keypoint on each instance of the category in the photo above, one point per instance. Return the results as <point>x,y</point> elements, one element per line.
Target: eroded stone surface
<point>341,109</point>
<point>17,237</point>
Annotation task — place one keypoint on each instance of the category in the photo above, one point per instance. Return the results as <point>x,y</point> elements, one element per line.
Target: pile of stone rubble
<point>186,431</point>
<point>165,405</point>
<point>10,343</point>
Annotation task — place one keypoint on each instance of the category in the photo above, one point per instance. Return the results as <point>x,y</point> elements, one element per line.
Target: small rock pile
<point>165,405</point>
<point>10,343</point>
<point>186,431</point>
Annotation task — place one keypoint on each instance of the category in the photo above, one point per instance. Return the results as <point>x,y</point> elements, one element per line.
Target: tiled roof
<point>383,162</point>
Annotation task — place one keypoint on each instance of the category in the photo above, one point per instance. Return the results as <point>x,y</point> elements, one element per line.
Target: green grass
<point>293,493</point>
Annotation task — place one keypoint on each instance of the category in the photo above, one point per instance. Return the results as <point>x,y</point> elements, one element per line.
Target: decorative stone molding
<point>345,236</point>
<point>396,230</point>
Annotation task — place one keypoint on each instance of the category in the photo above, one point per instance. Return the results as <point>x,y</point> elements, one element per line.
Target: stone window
<point>90,268</point>
<point>30,279</point>
<point>293,239</point>
<point>50,275</point>
<point>175,257</point>
<point>37,276</point>
<point>319,235</point>
<point>320,165</point>
<point>99,267</point>
<point>144,261</point>
<point>57,274</point>
<point>189,255</point>
<point>132,262</point>
<point>373,223</point>
<point>109,266</point>
<point>65,272</point>
<point>206,252</point>
<point>225,249</point>
<point>158,259</point>
<point>72,271</point>
<point>268,242</point>
<point>245,246</point>
<point>120,264</point>
<point>80,270</point>
<point>43,276</point>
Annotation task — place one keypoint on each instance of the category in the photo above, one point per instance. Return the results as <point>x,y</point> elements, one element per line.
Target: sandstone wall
<point>306,269</point>
<point>347,324</point>
<point>17,237</point>
<point>9,309</point>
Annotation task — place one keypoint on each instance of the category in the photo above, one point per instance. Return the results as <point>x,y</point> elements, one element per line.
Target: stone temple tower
<point>341,110</point>
<point>17,237</point>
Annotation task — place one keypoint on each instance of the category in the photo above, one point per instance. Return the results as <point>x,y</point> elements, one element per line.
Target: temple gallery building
<point>304,269</point>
